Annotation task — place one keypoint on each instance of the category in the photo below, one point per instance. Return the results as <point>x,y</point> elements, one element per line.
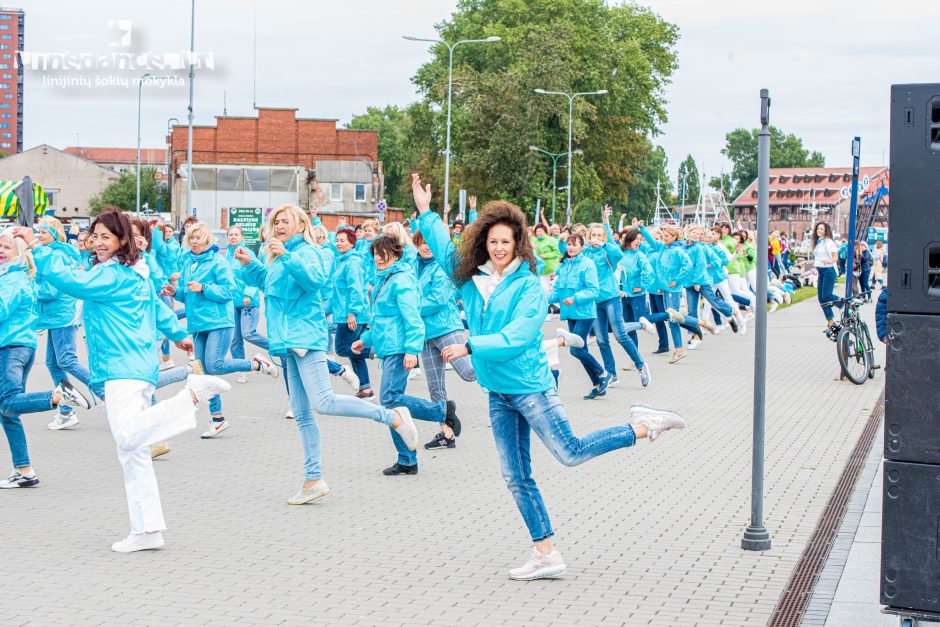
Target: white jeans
<point>135,425</point>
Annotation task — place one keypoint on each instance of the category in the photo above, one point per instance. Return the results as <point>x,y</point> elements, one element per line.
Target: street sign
<point>381,206</point>
<point>249,219</point>
<point>194,212</point>
<point>845,192</point>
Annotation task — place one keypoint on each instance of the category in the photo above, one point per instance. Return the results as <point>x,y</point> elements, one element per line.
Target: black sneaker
<point>19,480</point>
<point>734,325</point>
<point>451,420</point>
<point>441,441</point>
<point>400,469</point>
<point>661,351</point>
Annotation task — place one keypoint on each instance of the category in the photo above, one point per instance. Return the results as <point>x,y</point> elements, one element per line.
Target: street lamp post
<point>570,98</point>
<point>450,81</point>
<point>189,133</point>
<point>140,88</point>
<point>555,156</point>
<point>169,162</point>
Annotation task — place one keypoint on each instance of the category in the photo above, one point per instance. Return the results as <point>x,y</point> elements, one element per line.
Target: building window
<point>4,105</point>
<point>5,17</point>
<point>6,145</point>
<point>7,56</point>
<point>8,96</point>
<point>6,36</point>
<point>4,27</point>
<point>7,136</point>
<point>6,116</point>
<point>336,192</point>
<point>4,46</point>
<point>360,192</point>
<point>4,85</point>
<point>7,77</point>
<point>4,125</point>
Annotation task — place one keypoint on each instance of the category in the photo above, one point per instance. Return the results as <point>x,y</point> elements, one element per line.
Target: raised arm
<point>434,231</point>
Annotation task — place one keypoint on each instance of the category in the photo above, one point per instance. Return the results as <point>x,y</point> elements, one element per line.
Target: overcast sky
<point>827,63</point>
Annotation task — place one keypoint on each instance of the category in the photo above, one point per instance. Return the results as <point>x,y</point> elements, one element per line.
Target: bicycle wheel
<point>853,357</point>
<point>869,348</point>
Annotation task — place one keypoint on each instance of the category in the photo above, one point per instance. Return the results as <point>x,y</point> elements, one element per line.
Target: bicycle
<point>853,341</point>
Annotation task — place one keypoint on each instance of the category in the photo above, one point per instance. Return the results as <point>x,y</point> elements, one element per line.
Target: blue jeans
<point>825,288</point>
<point>657,306</point>
<point>610,313</point>
<point>211,348</point>
<point>581,328</point>
<point>312,394</point>
<point>62,361</point>
<point>246,330</point>
<point>344,341</point>
<point>673,300</point>
<point>513,416</point>
<point>392,394</point>
<point>15,364</point>
<point>634,308</point>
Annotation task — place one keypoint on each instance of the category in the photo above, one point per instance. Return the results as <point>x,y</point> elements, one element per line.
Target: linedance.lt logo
<point>121,66</point>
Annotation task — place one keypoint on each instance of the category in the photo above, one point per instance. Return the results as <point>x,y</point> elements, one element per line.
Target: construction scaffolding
<point>662,215</point>
<point>712,207</point>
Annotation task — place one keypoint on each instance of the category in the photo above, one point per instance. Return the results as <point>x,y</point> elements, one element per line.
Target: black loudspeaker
<point>914,205</point>
<point>910,536</point>
<point>912,389</point>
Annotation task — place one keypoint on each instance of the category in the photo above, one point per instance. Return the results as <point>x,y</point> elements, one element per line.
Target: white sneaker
<point>648,326</point>
<point>742,324</point>
<point>265,366</point>
<point>675,316</point>
<point>413,374</point>
<point>407,429</point>
<point>69,395</point>
<point>539,566</point>
<point>139,542</point>
<point>205,387</point>
<point>289,414</point>
<point>447,366</point>
<point>166,365</point>
<point>306,495</point>
<point>693,343</point>
<point>571,340</point>
<point>708,325</point>
<point>242,377</point>
<point>350,378</point>
<point>215,428</point>
<point>656,420</point>
<point>719,329</point>
<point>63,421</point>
<point>773,306</point>
<point>787,298</point>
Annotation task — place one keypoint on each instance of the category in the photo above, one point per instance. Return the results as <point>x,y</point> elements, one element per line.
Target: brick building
<point>277,158</point>
<point>794,192</point>
<point>124,159</point>
<point>11,80</point>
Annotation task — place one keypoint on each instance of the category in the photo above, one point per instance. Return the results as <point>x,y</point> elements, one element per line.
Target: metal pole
<point>554,183</point>
<point>189,133</point>
<point>169,162</point>
<point>756,537</point>
<point>570,120</point>
<point>140,88</point>
<point>450,80</point>
<point>853,209</point>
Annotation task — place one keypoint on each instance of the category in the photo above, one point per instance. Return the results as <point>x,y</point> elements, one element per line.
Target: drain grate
<point>792,603</point>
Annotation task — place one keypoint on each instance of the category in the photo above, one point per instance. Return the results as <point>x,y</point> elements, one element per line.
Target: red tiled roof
<point>118,155</point>
<point>802,186</point>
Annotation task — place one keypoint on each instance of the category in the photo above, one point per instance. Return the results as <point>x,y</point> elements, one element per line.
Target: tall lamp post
<point>189,133</point>
<point>169,162</point>
<point>570,98</point>
<point>140,88</point>
<point>555,156</point>
<point>450,81</point>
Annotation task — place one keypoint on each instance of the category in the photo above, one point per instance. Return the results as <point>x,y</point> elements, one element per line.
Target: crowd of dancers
<point>471,298</point>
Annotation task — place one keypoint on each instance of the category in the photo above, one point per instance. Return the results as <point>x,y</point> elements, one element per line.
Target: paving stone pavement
<point>651,535</point>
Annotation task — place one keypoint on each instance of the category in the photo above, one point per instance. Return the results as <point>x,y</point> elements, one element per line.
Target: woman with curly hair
<point>495,274</point>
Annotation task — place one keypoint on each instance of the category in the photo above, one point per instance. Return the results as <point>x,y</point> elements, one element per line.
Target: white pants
<point>135,425</point>
<point>738,286</point>
<point>546,281</point>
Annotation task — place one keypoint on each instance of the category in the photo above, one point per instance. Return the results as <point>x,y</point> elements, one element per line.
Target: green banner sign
<point>250,220</point>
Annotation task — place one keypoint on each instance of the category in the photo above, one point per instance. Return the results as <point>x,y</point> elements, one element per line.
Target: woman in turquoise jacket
<point>505,306</point>
<point>206,289</point>
<point>18,319</point>
<point>246,300</point>
<point>396,334</point>
<point>606,256</point>
<point>292,277</point>
<point>349,306</point>
<point>576,291</point>
<point>442,327</point>
<point>58,314</point>
<point>121,312</point>
<point>701,283</point>
<point>636,278</point>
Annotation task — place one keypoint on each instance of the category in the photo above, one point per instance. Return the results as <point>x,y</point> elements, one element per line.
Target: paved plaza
<point>651,535</point>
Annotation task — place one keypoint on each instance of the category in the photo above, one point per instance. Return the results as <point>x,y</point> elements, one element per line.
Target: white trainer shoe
<point>693,343</point>
<point>63,421</point>
<point>265,366</point>
<point>242,377</point>
<point>306,495</point>
<point>289,414</point>
<point>139,542</point>
<point>708,325</point>
<point>347,375</point>
<point>407,429</point>
<point>656,420</point>
<point>166,365</point>
<point>571,340</point>
<point>648,326</point>
<point>69,395</point>
<point>413,374</point>
<point>215,428</point>
<point>205,387</point>
<point>539,566</point>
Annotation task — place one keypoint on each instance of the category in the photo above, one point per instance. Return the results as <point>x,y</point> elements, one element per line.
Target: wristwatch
<point>469,349</point>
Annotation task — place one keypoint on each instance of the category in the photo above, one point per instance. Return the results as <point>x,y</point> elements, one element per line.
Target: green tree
<point>122,193</point>
<point>642,204</point>
<point>392,123</point>
<point>786,151</point>
<point>689,176</point>
<point>722,182</point>
<point>557,45</point>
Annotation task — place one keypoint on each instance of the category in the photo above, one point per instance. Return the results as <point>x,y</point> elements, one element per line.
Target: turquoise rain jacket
<point>438,300</point>
<point>17,306</point>
<point>506,330</point>
<point>396,328</point>
<point>717,270</point>
<point>576,277</point>
<point>636,271</point>
<point>212,307</point>
<point>349,294</point>
<point>605,259</point>
<point>122,314</point>
<point>56,308</point>
<point>294,308</point>
<point>242,289</point>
